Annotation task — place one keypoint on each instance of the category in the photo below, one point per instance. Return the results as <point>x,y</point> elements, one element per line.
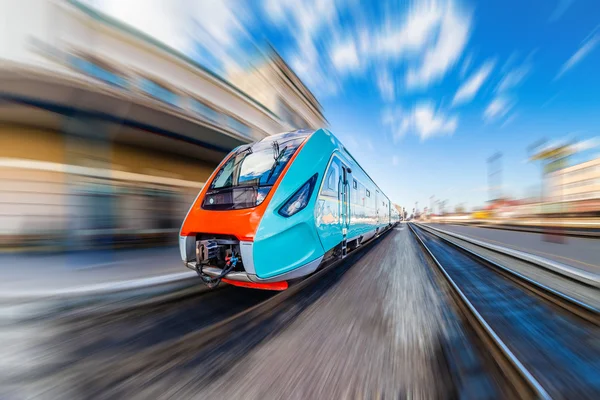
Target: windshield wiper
<point>276,163</point>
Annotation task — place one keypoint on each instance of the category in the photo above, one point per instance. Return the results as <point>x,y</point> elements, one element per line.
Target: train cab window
<point>332,179</point>
<point>249,174</point>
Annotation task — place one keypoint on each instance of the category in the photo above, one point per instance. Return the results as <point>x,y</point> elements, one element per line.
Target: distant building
<point>106,132</point>
<point>275,85</point>
<point>580,182</point>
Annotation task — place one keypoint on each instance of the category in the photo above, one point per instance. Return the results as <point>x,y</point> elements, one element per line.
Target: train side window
<point>361,194</point>
<point>354,184</point>
<point>368,193</point>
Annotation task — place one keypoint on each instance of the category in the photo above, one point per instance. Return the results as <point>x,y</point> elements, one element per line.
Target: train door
<point>332,210</point>
<point>344,204</point>
<point>377,208</point>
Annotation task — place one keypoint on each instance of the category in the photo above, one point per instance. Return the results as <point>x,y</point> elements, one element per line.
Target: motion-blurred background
<point>114,113</point>
<point>108,134</point>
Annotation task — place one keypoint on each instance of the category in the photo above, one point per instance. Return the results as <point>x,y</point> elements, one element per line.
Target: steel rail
<point>528,386</point>
<point>575,306</point>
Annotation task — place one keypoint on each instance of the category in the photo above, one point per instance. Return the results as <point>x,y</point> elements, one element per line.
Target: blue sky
<point>422,92</point>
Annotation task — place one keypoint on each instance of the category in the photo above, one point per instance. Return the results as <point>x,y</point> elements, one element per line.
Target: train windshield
<point>247,177</point>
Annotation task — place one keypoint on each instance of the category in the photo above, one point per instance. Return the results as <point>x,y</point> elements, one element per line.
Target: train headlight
<point>299,200</point>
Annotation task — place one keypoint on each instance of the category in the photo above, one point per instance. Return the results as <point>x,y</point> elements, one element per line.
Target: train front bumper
<point>243,276</point>
<point>242,279</point>
<point>248,277</point>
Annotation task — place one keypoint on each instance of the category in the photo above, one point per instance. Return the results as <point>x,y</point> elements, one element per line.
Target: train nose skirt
<point>241,279</point>
<point>214,272</point>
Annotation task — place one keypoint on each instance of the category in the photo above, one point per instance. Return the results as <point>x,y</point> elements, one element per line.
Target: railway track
<point>544,342</point>
<point>581,282</point>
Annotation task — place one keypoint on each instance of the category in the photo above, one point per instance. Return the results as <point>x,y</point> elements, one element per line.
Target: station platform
<point>580,253</point>
<point>35,276</point>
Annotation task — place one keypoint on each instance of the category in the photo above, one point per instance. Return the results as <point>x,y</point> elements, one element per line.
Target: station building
<point>107,135</point>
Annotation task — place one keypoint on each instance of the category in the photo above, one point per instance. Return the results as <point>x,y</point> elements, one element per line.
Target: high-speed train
<point>277,210</point>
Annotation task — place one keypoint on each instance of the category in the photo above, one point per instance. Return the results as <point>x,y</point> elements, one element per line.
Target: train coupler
<point>213,281</point>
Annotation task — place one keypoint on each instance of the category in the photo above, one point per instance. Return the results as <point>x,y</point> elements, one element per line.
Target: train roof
<point>300,133</point>
<point>342,148</point>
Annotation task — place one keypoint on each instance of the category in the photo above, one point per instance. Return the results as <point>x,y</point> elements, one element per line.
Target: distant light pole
<point>532,149</point>
<point>495,175</point>
<point>431,204</point>
<point>442,206</point>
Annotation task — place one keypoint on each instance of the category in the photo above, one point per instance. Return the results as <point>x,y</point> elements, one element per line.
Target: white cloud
<point>395,161</point>
<point>429,123</point>
<point>412,34</point>
<point>514,77</point>
<point>579,55</point>
<point>219,32</point>
<point>423,120</point>
<point>386,86</point>
<point>310,21</point>
<point>587,144</point>
<point>466,65</point>
<point>423,40</point>
<point>313,73</point>
<point>345,57</point>
<point>560,9</point>
<point>217,20</point>
<point>454,31</point>
<point>514,74</point>
<point>471,86</point>
<point>430,38</point>
<point>307,16</point>
<point>497,108</point>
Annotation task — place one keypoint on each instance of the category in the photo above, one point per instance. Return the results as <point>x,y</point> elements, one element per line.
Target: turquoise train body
<point>320,208</point>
